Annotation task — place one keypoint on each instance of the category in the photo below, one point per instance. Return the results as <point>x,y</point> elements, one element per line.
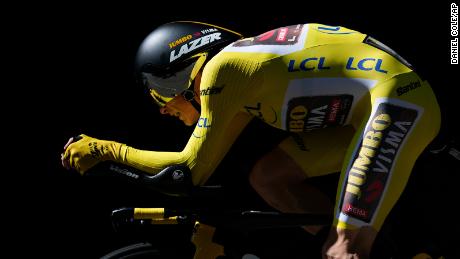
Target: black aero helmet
<point>169,58</point>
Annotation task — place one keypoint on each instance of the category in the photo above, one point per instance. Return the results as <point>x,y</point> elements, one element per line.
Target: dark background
<point>82,82</point>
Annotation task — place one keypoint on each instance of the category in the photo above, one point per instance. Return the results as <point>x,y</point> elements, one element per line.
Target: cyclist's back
<point>305,61</point>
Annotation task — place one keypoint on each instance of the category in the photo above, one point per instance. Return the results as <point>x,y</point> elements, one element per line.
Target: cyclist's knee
<point>275,170</point>
<point>257,177</point>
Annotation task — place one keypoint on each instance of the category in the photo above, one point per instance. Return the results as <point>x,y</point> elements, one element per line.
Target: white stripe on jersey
<point>357,87</point>
<point>274,49</point>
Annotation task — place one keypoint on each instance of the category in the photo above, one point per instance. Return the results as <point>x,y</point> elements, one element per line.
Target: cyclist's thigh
<point>319,152</point>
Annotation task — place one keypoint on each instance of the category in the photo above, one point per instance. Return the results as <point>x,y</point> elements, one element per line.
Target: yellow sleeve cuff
<point>343,225</point>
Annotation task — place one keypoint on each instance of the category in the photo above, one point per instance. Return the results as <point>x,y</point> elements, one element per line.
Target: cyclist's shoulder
<point>232,65</point>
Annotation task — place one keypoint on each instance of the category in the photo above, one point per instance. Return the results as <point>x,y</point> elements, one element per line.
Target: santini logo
<point>411,86</point>
<point>211,91</point>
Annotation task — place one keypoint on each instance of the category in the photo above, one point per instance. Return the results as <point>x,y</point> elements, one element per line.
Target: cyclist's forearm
<point>148,161</point>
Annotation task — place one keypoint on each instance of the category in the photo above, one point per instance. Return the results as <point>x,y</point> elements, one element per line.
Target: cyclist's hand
<point>340,244</point>
<point>86,152</point>
<point>64,161</point>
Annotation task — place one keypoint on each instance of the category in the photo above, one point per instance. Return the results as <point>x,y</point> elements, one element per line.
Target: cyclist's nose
<point>163,110</point>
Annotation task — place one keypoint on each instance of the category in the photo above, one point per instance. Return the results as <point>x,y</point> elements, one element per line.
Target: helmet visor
<point>164,88</point>
<point>170,85</point>
<point>160,100</point>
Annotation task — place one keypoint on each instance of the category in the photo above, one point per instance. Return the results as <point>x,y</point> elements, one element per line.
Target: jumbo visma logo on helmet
<point>194,44</point>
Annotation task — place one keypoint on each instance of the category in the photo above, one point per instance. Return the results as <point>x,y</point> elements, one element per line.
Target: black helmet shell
<point>166,48</point>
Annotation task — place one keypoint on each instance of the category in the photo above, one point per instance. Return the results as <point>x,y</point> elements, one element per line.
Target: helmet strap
<point>189,95</point>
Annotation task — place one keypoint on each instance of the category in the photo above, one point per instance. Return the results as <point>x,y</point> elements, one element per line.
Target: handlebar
<point>177,181</point>
<point>173,180</point>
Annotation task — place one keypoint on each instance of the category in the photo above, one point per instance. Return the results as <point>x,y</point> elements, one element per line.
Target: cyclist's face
<point>183,109</point>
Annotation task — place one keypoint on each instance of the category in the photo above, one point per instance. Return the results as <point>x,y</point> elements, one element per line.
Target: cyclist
<point>351,103</point>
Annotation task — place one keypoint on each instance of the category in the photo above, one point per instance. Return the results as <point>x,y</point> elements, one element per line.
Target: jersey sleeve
<point>227,84</point>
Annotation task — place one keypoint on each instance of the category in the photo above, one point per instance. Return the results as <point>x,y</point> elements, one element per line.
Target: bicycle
<point>218,232</point>
<point>211,226</point>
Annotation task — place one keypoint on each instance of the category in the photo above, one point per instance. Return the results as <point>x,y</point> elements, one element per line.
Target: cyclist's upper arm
<point>227,84</point>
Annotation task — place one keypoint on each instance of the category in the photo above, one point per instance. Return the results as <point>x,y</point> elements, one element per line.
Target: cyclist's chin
<point>190,120</point>
<point>187,121</point>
